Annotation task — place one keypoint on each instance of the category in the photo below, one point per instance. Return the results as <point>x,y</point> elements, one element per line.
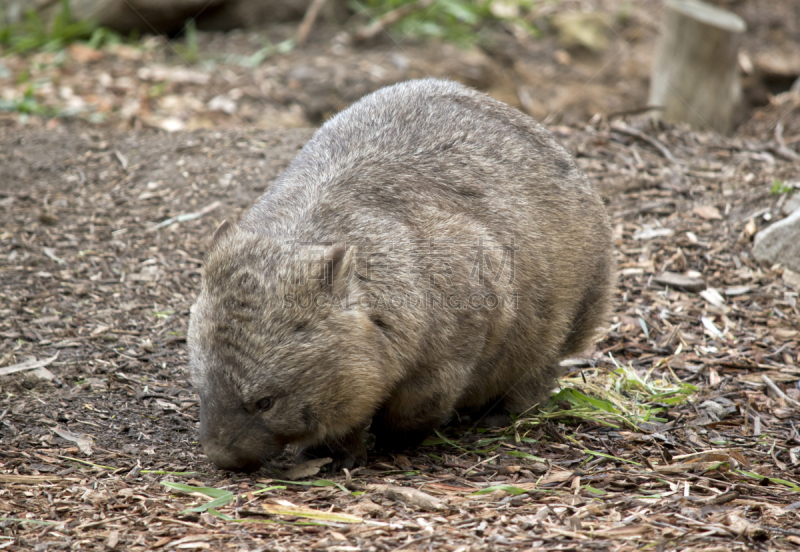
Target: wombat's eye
<point>265,403</point>
<point>380,323</point>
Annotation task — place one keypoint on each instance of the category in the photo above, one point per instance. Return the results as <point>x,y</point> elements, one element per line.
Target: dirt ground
<point>98,271</point>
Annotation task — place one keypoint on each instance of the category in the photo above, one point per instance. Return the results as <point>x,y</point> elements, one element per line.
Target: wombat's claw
<point>345,461</point>
<point>348,451</point>
<point>342,458</point>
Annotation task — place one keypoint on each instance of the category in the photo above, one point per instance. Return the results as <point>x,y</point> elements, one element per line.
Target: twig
<point>188,406</point>
<point>123,161</point>
<point>782,149</point>
<point>102,521</point>
<point>777,390</point>
<point>51,254</point>
<point>414,541</point>
<point>622,128</point>
<point>389,18</point>
<point>719,499</point>
<point>645,460</point>
<point>185,217</point>
<point>308,21</point>
<point>782,530</point>
<point>466,471</point>
<point>635,111</point>
<point>28,365</point>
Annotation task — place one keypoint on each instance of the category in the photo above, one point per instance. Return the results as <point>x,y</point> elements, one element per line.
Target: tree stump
<point>696,71</point>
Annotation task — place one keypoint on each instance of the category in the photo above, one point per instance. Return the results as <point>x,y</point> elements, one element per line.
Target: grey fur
<point>415,191</point>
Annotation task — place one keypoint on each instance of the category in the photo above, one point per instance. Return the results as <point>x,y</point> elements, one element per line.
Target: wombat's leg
<point>400,429</point>
<point>532,392</point>
<point>388,439</point>
<point>591,314</point>
<point>348,451</point>
<point>421,403</point>
<point>492,414</point>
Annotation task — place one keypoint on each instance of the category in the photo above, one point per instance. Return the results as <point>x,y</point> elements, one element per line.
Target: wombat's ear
<point>221,230</point>
<point>341,264</point>
<point>337,254</point>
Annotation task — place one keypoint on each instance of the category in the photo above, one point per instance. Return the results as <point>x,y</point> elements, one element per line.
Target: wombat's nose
<point>229,460</point>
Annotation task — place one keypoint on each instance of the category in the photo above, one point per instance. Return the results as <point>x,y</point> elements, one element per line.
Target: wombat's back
<point>414,146</point>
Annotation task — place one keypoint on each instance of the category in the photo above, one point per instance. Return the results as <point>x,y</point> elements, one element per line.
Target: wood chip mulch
<point>98,269</point>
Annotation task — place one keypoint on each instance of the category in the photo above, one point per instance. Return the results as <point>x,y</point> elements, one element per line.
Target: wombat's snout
<point>237,443</point>
<point>231,458</point>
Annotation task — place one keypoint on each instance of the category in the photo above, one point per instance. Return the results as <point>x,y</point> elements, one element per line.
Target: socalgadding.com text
<point>369,301</point>
<point>491,264</point>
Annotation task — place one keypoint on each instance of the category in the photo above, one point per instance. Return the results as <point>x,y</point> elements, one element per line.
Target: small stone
<point>48,218</point>
<point>780,243</point>
<point>147,345</point>
<point>791,205</point>
<point>707,212</point>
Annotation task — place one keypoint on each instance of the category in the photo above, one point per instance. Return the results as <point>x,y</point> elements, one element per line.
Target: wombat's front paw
<point>389,438</point>
<point>492,415</point>
<point>389,441</point>
<point>347,452</point>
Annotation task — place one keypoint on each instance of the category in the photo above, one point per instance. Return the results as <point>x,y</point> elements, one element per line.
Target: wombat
<point>430,249</point>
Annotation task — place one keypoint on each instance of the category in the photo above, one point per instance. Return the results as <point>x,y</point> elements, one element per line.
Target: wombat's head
<point>277,354</point>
